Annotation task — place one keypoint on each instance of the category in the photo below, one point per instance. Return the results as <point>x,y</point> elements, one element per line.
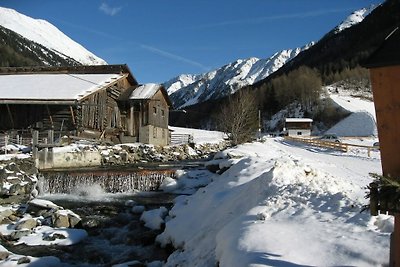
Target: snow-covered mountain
<point>354,18</point>
<point>46,34</point>
<point>187,90</point>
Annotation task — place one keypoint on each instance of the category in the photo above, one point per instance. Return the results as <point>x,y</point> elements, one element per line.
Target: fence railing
<point>344,147</point>
<point>178,139</point>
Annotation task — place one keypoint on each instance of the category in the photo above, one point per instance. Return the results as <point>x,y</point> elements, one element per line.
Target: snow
<point>153,219</point>
<point>362,121</point>
<point>12,260</point>
<point>298,120</point>
<point>41,86</point>
<point>200,136</point>
<point>186,90</point>
<point>46,34</point>
<point>281,204</point>
<point>145,91</point>
<point>354,18</point>
<point>69,236</point>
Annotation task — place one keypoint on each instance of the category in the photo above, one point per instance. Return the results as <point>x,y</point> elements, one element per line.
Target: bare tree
<point>238,118</point>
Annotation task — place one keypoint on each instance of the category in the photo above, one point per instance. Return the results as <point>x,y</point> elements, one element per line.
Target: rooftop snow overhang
<point>58,88</point>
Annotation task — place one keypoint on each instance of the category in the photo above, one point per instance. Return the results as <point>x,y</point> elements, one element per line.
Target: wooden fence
<point>177,139</point>
<point>344,147</point>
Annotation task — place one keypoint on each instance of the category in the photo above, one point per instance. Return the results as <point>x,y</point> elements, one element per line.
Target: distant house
<point>298,126</point>
<point>85,101</point>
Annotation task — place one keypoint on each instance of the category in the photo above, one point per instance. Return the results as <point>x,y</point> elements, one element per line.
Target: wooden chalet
<point>298,126</point>
<point>84,101</point>
<point>146,110</point>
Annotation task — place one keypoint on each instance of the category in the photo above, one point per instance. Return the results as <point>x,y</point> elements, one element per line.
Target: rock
<point>60,220</point>
<point>138,209</point>
<point>4,255</point>
<point>53,236</point>
<point>13,218</point>
<point>23,260</point>
<point>6,213</point>
<point>6,221</point>
<point>74,219</point>
<point>15,235</point>
<point>26,224</point>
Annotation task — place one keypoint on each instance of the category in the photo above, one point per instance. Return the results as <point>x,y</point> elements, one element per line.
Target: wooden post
<point>35,141</point>
<point>50,136</point>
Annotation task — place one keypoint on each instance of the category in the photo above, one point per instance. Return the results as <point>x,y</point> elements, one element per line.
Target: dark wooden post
<point>384,65</point>
<point>35,141</point>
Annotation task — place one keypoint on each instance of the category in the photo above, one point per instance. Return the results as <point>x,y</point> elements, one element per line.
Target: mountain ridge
<point>46,34</point>
<point>187,89</point>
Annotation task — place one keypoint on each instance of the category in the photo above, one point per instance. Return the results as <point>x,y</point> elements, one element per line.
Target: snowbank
<point>281,205</point>
<point>362,121</point>
<point>356,124</point>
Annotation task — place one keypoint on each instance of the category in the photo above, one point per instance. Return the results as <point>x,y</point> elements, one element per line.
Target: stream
<point>115,233</point>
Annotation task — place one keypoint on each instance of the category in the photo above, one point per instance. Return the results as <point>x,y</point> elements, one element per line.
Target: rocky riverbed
<point>52,233</point>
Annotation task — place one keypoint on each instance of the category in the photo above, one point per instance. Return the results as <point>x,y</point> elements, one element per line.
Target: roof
<point>298,120</point>
<point>147,91</point>
<point>388,54</point>
<point>44,87</point>
<point>83,69</point>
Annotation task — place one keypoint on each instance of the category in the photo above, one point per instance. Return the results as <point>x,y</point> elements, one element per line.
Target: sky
<point>161,39</point>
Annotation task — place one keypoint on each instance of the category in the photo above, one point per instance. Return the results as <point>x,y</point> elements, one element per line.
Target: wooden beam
<point>10,115</point>
<point>51,118</point>
<point>72,115</point>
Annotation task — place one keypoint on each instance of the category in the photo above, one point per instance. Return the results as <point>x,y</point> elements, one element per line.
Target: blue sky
<point>161,39</point>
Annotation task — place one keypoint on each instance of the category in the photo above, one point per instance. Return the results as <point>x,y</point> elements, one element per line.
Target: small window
<point>299,133</point>
<point>162,113</point>
<point>154,110</point>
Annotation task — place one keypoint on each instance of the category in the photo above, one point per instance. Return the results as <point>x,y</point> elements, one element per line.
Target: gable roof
<point>52,87</point>
<point>388,54</point>
<point>147,91</point>
<point>61,85</point>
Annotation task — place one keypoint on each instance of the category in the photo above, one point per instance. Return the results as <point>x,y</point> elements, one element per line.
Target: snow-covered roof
<point>60,86</point>
<point>298,120</point>
<point>145,91</point>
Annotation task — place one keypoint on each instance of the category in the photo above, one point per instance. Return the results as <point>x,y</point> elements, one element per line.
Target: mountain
<point>15,50</point>
<point>186,90</point>
<point>341,50</point>
<point>47,35</point>
<point>354,18</point>
<point>348,45</point>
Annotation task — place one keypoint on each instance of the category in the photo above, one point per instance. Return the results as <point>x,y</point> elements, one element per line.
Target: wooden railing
<point>177,139</point>
<point>344,147</point>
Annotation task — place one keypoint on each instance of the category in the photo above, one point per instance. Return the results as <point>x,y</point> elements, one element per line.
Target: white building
<point>298,126</point>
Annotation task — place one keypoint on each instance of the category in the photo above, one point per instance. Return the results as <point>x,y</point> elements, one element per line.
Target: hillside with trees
<point>338,56</point>
<point>17,51</point>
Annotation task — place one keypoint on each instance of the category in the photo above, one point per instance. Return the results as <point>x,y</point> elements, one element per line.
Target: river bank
<point>52,230</point>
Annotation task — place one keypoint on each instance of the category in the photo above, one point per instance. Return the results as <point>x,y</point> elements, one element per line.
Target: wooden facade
<point>146,116</point>
<point>102,112</point>
<point>384,65</point>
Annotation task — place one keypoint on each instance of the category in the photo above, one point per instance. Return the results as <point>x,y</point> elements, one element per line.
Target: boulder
<point>4,255</point>
<point>29,223</point>
<point>60,220</point>
<point>15,235</point>
<point>74,219</point>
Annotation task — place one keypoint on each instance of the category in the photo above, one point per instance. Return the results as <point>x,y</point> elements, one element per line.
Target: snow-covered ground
<point>361,121</point>
<point>281,204</point>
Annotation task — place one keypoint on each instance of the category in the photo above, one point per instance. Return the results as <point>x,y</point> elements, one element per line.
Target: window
<point>154,110</point>
<point>299,133</point>
<point>162,113</point>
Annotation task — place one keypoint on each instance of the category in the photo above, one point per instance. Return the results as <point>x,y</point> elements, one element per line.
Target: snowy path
<point>281,204</point>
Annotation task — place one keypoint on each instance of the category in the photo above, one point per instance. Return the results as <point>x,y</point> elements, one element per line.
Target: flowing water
<point>116,235</point>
